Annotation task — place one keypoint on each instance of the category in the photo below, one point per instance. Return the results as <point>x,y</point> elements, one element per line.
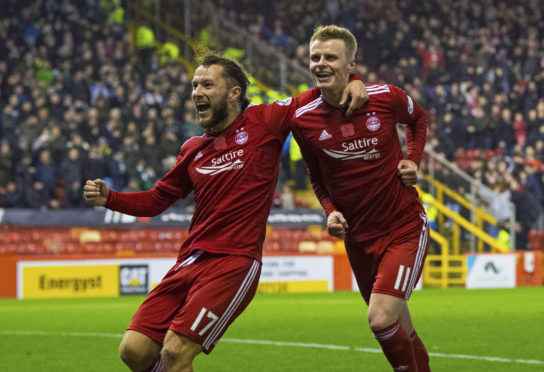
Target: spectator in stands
<point>6,163</point>
<point>37,197</point>
<point>72,197</point>
<point>151,152</point>
<point>168,145</point>
<point>145,41</point>
<point>169,52</point>
<point>55,142</point>
<point>71,167</point>
<point>11,196</point>
<point>47,173</point>
<point>95,164</point>
<point>8,124</point>
<point>118,171</point>
<point>528,211</point>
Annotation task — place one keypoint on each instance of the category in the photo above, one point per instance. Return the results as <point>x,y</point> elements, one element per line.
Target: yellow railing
<point>458,222</point>
<point>481,215</point>
<point>443,270</point>
<point>440,271</point>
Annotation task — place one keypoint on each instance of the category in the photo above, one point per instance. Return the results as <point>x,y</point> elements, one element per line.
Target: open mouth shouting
<point>202,108</point>
<point>323,76</point>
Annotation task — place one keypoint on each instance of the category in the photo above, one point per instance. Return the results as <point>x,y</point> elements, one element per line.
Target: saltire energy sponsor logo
<point>356,149</point>
<point>225,162</point>
<point>215,169</point>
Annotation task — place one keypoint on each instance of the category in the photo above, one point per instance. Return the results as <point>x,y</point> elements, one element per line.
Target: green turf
<point>492,323</point>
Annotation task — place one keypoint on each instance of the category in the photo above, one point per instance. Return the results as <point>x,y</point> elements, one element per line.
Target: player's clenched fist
<point>337,224</point>
<point>96,192</point>
<point>407,170</point>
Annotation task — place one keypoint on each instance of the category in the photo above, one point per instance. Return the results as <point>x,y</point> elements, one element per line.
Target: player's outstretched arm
<point>337,224</point>
<point>354,96</point>
<point>407,171</point>
<point>96,192</point>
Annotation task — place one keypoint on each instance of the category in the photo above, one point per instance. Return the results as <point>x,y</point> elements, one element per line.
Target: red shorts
<point>199,298</point>
<point>390,264</point>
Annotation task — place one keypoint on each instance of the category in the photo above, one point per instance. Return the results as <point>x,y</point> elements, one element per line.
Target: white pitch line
<point>70,334</point>
<point>280,343</point>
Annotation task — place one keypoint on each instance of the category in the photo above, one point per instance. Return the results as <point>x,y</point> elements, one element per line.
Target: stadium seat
<point>271,246</point>
<point>325,247</point>
<point>314,231</point>
<point>288,246</point>
<point>307,246</point>
<point>90,236</point>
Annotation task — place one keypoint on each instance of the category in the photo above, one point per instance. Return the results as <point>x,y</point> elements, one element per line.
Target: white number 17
<point>198,319</point>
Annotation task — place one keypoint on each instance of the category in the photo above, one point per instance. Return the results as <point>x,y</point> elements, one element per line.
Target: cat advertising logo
<point>133,279</point>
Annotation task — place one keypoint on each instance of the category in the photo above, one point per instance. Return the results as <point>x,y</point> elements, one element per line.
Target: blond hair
<point>330,32</point>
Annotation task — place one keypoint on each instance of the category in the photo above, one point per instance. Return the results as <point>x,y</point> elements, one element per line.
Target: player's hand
<point>337,225</point>
<point>96,192</point>
<point>407,171</point>
<point>354,96</point>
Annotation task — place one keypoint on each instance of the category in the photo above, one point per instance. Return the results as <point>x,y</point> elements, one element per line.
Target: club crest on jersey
<point>220,143</point>
<point>373,123</point>
<point>241,136</point>
<point>347,130</point>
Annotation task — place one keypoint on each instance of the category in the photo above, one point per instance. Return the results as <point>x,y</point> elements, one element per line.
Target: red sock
<point>155,367</point>
<point>397,347</point>
<point>422,357</point>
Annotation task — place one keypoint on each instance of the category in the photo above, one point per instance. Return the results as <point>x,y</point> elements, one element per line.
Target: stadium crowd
<point>78,101</point>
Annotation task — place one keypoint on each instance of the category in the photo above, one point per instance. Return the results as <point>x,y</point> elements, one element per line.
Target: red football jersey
<point>353,159</point>
<point>233,176</point>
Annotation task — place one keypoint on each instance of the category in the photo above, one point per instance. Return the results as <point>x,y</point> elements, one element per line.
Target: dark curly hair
<point>232,72</point>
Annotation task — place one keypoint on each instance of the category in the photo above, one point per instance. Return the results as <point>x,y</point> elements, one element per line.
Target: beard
<point>219,114</point>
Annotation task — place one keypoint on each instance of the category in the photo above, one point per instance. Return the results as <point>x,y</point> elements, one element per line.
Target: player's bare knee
<point>179,351</point>
<point>379,319</point>
<point>135,355</point>
<point>130,356</point>
<point>181,359</point>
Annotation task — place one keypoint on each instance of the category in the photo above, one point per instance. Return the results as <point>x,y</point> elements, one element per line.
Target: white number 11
<point>198,319</point>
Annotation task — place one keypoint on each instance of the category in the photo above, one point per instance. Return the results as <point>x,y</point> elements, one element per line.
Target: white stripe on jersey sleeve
<point>376,86</point>
<point>371,92</point>
<point>377,89</point>
<point>308,107</point>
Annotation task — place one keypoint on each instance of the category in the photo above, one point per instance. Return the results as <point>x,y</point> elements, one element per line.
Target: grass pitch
<point>476,330</point>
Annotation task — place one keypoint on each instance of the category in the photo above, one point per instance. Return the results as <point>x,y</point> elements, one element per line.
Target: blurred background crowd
<point>79,101</point>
